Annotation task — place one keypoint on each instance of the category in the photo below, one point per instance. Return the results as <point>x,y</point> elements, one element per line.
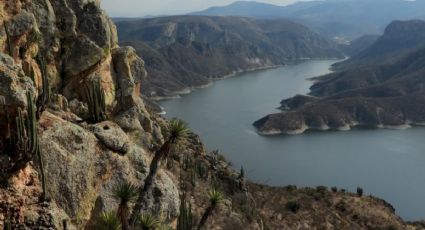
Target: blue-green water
<point>389,164</point>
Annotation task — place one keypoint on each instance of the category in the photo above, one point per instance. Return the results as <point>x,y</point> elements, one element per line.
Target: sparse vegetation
<point>359,191</point>
<point>175,132</point>
<point>108,221</point>
<point>124,192</point>
<point>215,198</point>
<point>185,219</point>
<point>292,206</point>
<point>26,142</point>
<point>148,222</point>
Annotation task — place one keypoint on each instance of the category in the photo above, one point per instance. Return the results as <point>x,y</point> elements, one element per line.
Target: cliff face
<point>64,45</point>
<point>380,87</point>
<point>71,43</point>
<point>183,52</point>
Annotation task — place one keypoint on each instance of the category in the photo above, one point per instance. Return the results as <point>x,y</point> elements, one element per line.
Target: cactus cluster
<point>26,132</point>
<point>95,98</point>
<point>26,140</point>
<point>185,220</point>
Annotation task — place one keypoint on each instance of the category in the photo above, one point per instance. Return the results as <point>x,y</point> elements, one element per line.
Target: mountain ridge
<point>185,52</point>
<point>350,19</point>
<point>377,91</point>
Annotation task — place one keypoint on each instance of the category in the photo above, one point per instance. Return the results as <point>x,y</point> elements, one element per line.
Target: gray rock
<point>94,23</point>
<point>134,119</point>
<point>112,136</point>
<point>66,19</point>
<point>130,70</point>
<point>81,173</point>
<point>82,55</point>
<point>22,23</point>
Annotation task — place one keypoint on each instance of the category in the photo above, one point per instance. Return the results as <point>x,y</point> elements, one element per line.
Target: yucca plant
<point>95,98</point>
<point>125,193</point>
<point>177,130</point>
<point>148,222</point>
<point>108,221</point>
<point>215,197</point>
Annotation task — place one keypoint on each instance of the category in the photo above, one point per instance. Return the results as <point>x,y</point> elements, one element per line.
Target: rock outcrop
<point>73,43</point>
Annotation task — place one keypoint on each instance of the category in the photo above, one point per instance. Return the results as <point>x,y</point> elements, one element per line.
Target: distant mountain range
<point>184,52</point>
<point>382,86</point>
<point>331,18</point>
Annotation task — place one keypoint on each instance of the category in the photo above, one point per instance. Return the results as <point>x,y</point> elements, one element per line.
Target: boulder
<point>81,172</point>
<point>81,56</point>
<point>130,70</point>
<point>21,24</point>
<point>94,23</point>
<point>112,136</point>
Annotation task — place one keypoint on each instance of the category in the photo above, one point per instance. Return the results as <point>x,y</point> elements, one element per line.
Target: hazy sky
<point>137,8</point>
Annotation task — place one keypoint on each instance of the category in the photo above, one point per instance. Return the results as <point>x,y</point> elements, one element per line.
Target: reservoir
<point>389,164</point>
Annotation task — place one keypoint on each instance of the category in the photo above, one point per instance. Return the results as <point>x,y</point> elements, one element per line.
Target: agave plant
<point>108,221</point>
<point>177,130</point>
<point>125,193</point>
<point>148,222</point>
<point>215,198</point>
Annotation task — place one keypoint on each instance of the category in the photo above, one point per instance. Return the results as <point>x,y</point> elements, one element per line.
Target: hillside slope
<point>383,86</point>
<point>183,52</point>
<point>343,18</point>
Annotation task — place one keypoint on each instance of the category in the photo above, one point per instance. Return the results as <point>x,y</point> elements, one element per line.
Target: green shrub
<point>359,191</point>
<point>341,206</point>
<point>321,189</point>
<point>292,206</point>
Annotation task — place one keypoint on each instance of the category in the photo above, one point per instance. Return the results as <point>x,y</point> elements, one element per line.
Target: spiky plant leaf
<point>108,221</point>
<point>215,197</point>
<point>177,130</point>
<point>148,221</point>
<point>125,192</point>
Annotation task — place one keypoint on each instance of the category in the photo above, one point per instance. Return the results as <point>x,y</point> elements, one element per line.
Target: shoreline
<point>347,127</point>
<point>235,73</point>
<point>189,90</point>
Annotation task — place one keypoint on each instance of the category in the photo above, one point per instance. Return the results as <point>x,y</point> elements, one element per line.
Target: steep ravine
<point>65,45</point>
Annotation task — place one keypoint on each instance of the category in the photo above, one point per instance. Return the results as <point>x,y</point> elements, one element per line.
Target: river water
<point>389,164</point>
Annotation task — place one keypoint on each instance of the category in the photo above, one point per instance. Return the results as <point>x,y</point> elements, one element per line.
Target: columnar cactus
<point>45,96</point>
<point>26,141</point>
<point>185,221</point>
<point>95,98</point>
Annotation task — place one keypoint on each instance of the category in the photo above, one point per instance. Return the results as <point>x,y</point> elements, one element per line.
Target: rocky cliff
<point>51,52</point>
<point>185,52</point>
<point>381,86</point>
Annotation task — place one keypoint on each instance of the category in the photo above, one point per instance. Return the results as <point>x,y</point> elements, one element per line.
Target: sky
<point>139,8</point>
